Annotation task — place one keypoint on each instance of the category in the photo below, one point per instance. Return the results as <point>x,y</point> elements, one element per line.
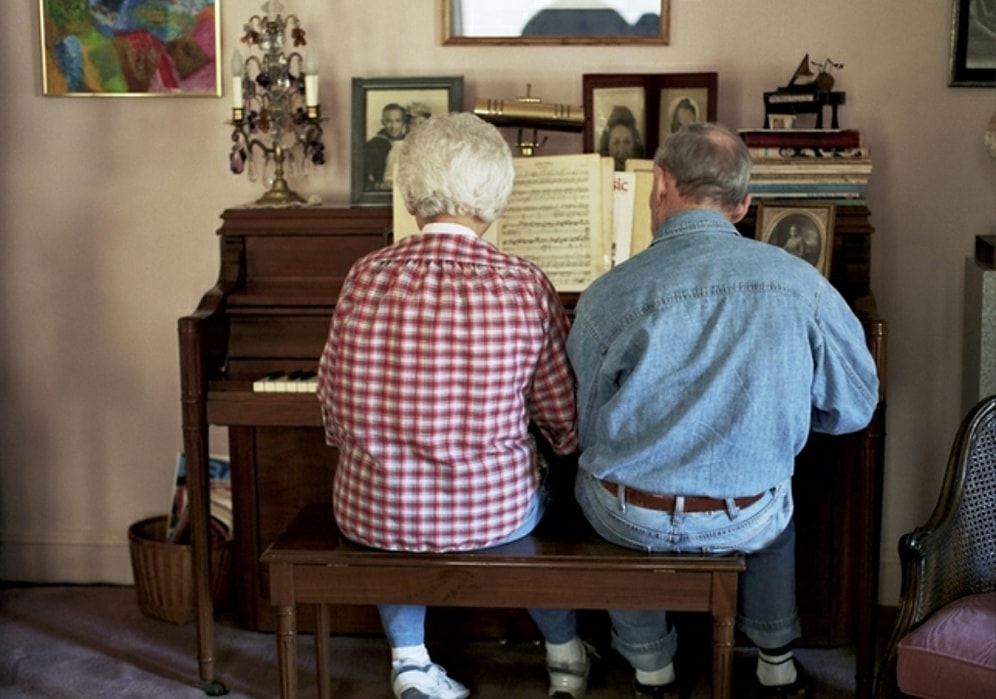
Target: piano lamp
<point>532,112</point>
<point>275,110</point>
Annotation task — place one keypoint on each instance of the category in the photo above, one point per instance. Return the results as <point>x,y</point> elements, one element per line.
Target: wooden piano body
<point>281,271</point>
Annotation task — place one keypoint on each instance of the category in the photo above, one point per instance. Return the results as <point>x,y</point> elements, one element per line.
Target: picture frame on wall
<point>972,61</point>
<point>802,229</point>
<point>146,48</point>
<point>383,111</point>
<point>627,115</point>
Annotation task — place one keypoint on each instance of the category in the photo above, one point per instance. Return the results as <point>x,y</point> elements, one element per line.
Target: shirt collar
<point>692,220</point>
<point>454,228</point>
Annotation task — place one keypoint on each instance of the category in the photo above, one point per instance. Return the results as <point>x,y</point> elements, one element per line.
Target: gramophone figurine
<point>806,93</point>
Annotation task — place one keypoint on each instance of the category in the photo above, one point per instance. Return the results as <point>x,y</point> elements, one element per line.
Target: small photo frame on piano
<point>627,115</point>
<point>804,230</point>
<point>384,111</point>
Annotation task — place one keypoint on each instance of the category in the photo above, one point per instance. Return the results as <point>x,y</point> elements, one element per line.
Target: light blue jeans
<point>765,531</point>
<point>404,624</point>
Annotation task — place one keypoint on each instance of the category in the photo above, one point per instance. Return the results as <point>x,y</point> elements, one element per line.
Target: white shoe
<point>570,680</point>
<point>425,682</point>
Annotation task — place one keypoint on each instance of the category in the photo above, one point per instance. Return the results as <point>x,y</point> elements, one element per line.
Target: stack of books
<point>807,163</point>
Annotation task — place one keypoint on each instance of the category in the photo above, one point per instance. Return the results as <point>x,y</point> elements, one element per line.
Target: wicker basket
<point>164,577</point>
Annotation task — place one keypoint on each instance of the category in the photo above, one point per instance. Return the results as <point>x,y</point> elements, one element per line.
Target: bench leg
<point>287,650</point>
<point>722,657</point>
<point>322,631</point>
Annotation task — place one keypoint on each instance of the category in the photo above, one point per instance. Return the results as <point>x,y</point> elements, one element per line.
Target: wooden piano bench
<point>561,564</point>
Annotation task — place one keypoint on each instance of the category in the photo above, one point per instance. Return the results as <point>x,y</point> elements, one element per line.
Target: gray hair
<point>708,162</point>
<point>455,164</point>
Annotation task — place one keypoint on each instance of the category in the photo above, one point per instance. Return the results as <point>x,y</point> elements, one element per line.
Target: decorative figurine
<point>806,93</point>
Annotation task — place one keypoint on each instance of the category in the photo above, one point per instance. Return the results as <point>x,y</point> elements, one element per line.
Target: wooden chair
<point>943,643</point>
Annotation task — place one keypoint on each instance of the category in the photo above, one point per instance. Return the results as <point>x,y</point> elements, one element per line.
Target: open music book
<point>572,215</point>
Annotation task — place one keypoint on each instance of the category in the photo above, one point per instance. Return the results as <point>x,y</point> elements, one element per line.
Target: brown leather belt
<point>666,503</point>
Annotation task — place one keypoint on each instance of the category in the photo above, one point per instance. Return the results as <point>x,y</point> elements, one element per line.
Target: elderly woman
<point>442,350</point>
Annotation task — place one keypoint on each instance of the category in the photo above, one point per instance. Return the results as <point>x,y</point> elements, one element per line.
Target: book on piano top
<point>811,153</point>
<point>178,517</point>
<point>801,138</point>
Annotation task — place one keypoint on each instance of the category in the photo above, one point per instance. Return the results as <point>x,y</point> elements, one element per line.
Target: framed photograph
<point>541,22</point>
<point>973,44</point>
<point>627,115</point>
<point>384,110</point>
<point>137,48</point>
<point>803,229</point>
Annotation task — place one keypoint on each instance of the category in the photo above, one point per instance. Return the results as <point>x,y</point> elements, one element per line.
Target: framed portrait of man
<point>385,110</point>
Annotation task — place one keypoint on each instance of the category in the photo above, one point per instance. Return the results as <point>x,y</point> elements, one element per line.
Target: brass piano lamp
<point>532,112</point>
<point>275,110</point>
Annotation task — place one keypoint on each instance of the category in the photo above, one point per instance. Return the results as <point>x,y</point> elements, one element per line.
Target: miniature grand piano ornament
<point>806,93</point>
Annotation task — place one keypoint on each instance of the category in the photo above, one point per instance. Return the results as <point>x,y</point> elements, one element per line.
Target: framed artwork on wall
<point>142,48</point>
<point>384,110</point>
<point>973,44</point>
<point>803,229</point>
<point>541,22</point>
<point>627,115</point>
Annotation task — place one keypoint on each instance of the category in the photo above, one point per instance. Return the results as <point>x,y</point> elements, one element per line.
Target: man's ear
<point>739,210</point>
<point>662,183</point>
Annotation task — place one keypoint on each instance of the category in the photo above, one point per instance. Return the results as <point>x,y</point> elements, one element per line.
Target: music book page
<point>556,217</point>
<point>560,216</point>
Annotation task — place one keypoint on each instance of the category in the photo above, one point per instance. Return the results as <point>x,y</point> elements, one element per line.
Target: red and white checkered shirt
<point>442,350</point>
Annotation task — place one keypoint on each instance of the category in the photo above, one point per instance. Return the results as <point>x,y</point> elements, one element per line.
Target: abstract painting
<point>130,47</point>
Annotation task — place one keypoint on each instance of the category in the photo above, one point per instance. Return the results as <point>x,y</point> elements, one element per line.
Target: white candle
<point>237,67</point>
<point>311,81</point>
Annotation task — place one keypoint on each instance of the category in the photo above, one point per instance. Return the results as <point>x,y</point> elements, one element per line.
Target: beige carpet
<point>92,641</point>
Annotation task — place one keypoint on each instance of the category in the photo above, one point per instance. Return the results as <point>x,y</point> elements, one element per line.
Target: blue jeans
<point>765,531</point>
<point>404,624</point>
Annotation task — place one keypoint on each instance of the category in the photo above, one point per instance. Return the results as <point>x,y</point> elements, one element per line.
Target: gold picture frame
<point>541,22</point>
<point>147,49</point>
<point>803,229</point>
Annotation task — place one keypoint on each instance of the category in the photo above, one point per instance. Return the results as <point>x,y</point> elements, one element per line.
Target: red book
<point>801,138</point>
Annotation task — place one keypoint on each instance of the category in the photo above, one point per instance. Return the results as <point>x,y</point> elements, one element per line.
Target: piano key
<point>282,382</point>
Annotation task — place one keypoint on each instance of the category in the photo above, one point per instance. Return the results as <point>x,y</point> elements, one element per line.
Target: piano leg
<point>195,445</point>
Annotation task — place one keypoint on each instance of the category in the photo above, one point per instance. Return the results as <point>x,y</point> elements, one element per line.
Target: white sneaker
<point>425,682</point>
<point>570,680</point>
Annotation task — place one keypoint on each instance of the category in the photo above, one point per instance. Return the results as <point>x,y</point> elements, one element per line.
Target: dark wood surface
<point>562,563</point>
<point>280,273</point>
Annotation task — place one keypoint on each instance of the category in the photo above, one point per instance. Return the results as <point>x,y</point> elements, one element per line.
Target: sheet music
<point>555,218</point>
<point>560,216</point>
<point>623,188</point>
<point>642,233</point>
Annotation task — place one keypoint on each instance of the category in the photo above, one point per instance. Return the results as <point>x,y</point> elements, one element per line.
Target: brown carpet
<point>93,641</point>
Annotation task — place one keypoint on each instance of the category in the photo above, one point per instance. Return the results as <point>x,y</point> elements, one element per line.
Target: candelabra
<point>275,109</point>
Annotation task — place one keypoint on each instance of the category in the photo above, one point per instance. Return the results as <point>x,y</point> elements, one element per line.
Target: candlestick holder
<point>275,110</point>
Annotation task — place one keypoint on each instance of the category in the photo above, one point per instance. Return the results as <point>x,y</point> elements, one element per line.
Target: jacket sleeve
<point>845,380</point>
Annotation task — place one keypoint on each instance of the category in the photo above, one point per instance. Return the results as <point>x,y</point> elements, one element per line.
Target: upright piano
<point>280,274</point>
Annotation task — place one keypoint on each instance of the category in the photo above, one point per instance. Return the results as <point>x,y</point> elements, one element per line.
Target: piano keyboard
<point>282,382</point>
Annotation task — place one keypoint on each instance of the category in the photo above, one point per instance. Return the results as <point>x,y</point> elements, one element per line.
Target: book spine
<point>779,138</point>
<point>808,153</point>
<point>816,187</point>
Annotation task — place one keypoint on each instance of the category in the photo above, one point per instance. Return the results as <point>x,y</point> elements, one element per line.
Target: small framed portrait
<point>803,229</point>
<point>973,44</point>
<point>627,115</point>
<point>385,110</point>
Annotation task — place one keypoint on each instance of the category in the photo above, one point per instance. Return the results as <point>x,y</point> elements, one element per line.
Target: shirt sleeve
<point>552,404</point>
<point>845,382</point>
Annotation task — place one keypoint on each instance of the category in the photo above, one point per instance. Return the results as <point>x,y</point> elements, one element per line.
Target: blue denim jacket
<point>704,362</point>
